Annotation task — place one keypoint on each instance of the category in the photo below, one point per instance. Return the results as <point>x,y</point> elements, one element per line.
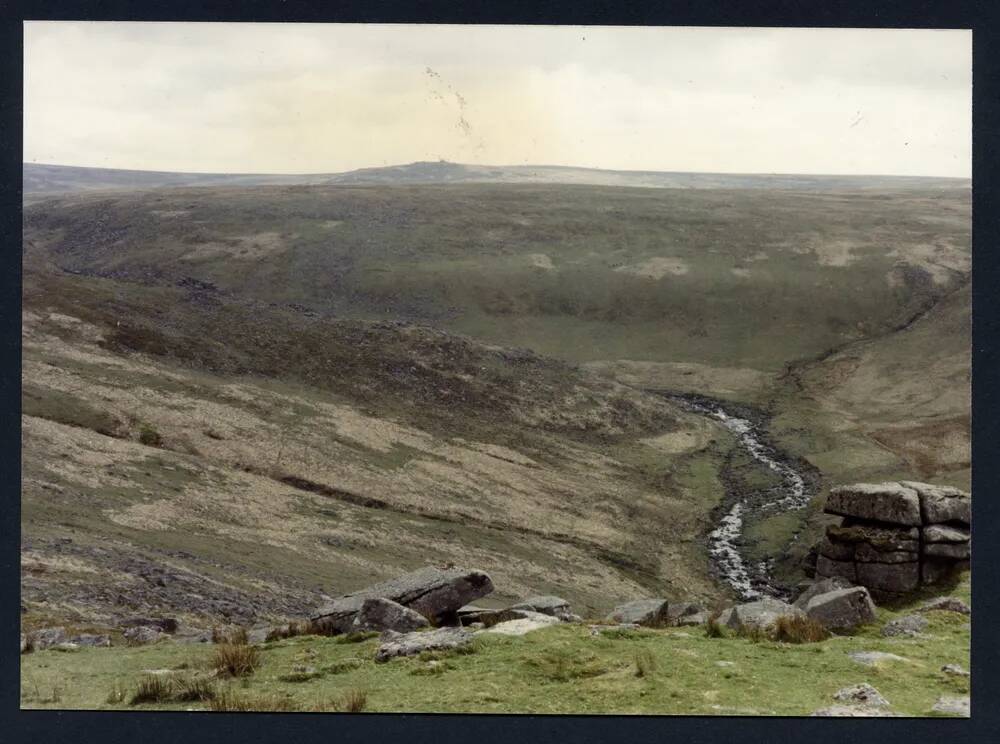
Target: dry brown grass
<point>713,628</point>
<point>235,660</point>
<point>152,688</point>
<point>233,636</point>
<point>645,663</point>
<point>232,702</point>
<point>789,629</point>
<point>191,689</point>
<point>353,701</point>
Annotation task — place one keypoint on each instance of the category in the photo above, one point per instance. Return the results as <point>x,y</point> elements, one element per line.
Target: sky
<point>315,98</point>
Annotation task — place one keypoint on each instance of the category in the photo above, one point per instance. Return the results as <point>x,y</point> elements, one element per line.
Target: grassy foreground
<point>563,669</point>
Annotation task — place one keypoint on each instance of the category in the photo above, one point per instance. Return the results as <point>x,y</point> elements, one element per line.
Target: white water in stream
<point>724,538</point>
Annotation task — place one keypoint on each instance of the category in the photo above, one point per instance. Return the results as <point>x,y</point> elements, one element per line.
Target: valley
<point>239,400</point>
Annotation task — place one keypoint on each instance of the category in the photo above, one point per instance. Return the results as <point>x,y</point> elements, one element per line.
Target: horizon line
<point>476,165</point>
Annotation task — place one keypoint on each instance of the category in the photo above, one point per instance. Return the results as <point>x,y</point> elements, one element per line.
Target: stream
<point>750,580</point>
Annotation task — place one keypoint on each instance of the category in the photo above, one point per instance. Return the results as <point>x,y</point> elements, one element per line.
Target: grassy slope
<point>558,670</point>
<point>407,446</point>
<point>559,269</point>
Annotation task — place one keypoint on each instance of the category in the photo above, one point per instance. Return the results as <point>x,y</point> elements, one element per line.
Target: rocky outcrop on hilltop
<point>895,537</point>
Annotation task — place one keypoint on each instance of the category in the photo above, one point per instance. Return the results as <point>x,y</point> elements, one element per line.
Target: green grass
<point>562,669</point>
<point>459,257</point>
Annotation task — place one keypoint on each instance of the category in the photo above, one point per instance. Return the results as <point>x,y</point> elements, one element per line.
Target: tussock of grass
<point>353,701</point>
<point>753,633</point>
<point>233,636</point>
<point>190,689</point>
<point>232,702</point>
<point>713,628</point>
<point>342,667</point>
<point>235,660</point>
<point>645,663</point>
<point>562,665</point>
<point>292,630</point>
<point>789,629</point>
<point>358,636</point>
<point>152,688</point>
<point>150,436</point>
<point>117,694</point>
<point>296,677</point>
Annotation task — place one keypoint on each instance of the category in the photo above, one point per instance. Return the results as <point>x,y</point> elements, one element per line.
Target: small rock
<point>761,613</point>
<point>852,711</point>
<point>647,612</point>
<point>47,637</point>
<point>861,694</point>
<point>163,624</point>
<point>547,605</point>
<point>725,663</point>
<point>65,646</point>
<point>908,626</point>
<point>87,639</point>
<point>406,644</point>
<point>954,670</point>
<point>698,618</point>
<point>520,626</point>
<point>948,604</point>
<point>871,658</point>
<point>142,635</point>
<point>955,706</point>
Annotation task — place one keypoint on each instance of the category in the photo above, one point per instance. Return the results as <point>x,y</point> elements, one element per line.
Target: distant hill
<point>39,178</point>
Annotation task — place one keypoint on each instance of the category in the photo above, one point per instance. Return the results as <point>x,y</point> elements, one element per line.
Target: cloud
<point>330,97</point>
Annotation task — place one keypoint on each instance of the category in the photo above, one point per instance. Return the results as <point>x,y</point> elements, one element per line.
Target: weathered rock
<point>889,577</point>
<point>762,613</point>
<point>871,658</point>
<point>651,613</point>
<point>489,618</point>
<point>937,569</point>
<point>880,502</point>
<point>407,644</point>
<point>842,609</point>
<point>88,639</point>
<point>954,670</point>
<point>435,593</point>
<point>547,605</point>
<point>948,604</point>
<point>24,643</point>
<point>822,586</point>
<point>861,694</point>
<point>384,614</point>
<point>520,626</point>
<point>836,550</point>
<point>953,706</point>
<point>957,552</point>
<point>865,553</point>
<point>944,533</point>
<point>677,612</point>
<point>47,637</point>
<point>908,626</point>
<point>942,503</point>
<point>882,538</point>
<point>163,624</point>
<point>698,618</point>
<point>827,567</point>
<point>142,635</point>
<point>853,711</point>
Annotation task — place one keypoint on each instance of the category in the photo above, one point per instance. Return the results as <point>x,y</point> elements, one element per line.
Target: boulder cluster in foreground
<point>895,537</point>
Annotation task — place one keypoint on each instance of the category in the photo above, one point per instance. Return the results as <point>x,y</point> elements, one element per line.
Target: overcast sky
<point>299,98</point>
